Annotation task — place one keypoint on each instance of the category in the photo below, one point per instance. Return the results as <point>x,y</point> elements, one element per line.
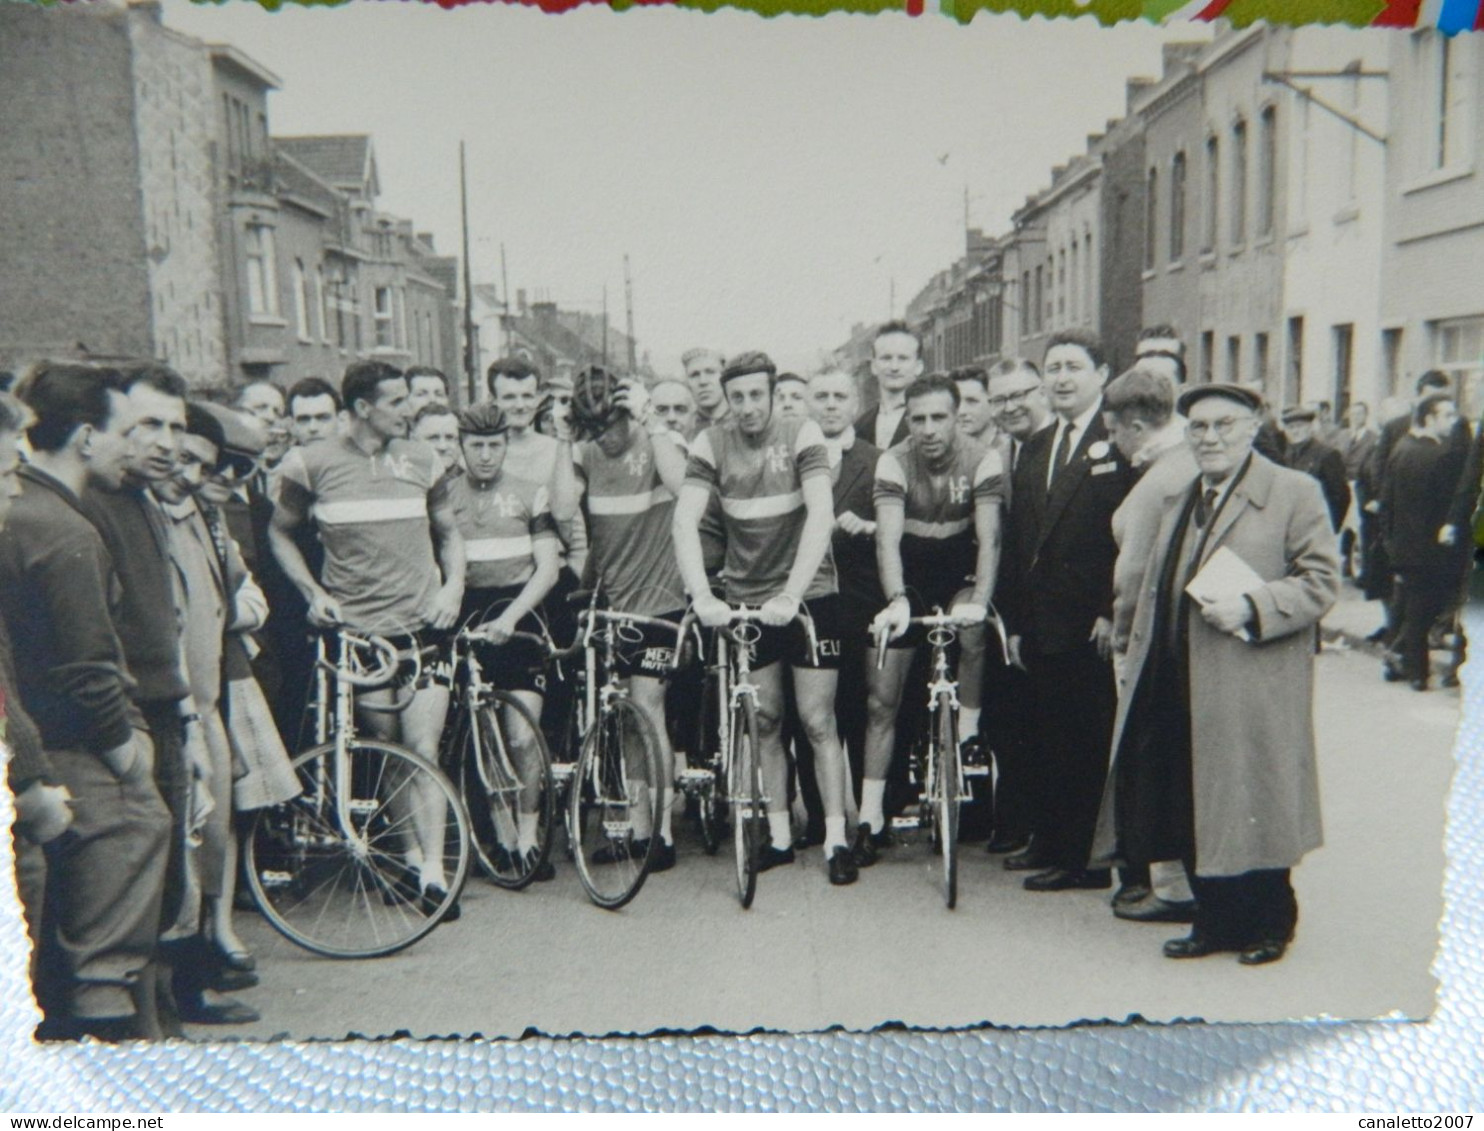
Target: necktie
<point>1204,510</point>
<point>1063,454</point>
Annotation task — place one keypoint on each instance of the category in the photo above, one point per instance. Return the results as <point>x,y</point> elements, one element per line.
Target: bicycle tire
<point>745,792</point>
<point>617,772</point>
<point>711,810</point>
<point>945,794</point>
<point>494,787</point>
<point>326,893</point>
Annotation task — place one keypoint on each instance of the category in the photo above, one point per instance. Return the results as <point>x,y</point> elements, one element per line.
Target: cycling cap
<point>486,419</point>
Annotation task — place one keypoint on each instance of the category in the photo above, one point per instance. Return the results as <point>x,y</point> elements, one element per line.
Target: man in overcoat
<point>1200,774</point>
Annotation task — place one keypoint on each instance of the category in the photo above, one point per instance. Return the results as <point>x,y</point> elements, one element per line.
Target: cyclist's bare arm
<point>565,495</point>
<point>891,516</point>
<point>287,518</point>
<point>685,530</point>
<point>669,460</point>
<point>987,566</point>
<point>452,560</point>
<point>814,540</point>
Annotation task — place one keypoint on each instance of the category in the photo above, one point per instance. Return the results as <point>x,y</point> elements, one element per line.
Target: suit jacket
<point>855,555</point>
<point>1326,464</point>
<point>865,428</point>
<point>1422,475</point>
<point>1056,579</point>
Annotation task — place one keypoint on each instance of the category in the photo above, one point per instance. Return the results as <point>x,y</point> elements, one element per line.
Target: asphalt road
<point>809,956</point>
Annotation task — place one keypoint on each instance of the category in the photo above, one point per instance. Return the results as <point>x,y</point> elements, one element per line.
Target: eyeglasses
<point>1197,429</point>
<point>1017,398</point>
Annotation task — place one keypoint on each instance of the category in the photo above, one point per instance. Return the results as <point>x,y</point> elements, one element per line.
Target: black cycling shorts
<point>791,643</point>
<point>645,649</point>
<point>519,665</point>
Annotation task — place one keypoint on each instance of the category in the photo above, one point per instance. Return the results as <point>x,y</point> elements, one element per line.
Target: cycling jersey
<point>501,523</point>
<point>629,510</point>
<point>372,515</point>
<point>939,543</point>
<point>760,484</point>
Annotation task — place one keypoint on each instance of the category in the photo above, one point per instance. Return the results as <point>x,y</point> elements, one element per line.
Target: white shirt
<point>1078,428</point>
<point>886,424</point>
<point>838,445</point>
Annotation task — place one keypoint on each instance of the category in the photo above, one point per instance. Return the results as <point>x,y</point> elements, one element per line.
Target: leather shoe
<point>663,859</point>
<point>544,874</point>
<point>1156,910</point>
<point>225,1012</point>
<point>236,959</point>
<point>1027,860</point>
<point>1129,894</point>
<point>1263,953</point>
<point>1067,879</point>
<point>432,899</point>
<point>1000,844</point>
<point>770,858</point>
<point>843,869</point>
<point>228,981</point>
<point>1192,946</point>
<point>864,852</point>
<point>1417,684</point>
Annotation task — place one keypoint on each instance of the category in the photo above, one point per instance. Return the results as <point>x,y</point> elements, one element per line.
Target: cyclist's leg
<point>387,726</point>
<point>970,675</point>
<point>769,684</point>
<point>814,692</point>
<point>648,694</point>
<point>422,725</point>
<point>527,757</point>
<point>883,699</point>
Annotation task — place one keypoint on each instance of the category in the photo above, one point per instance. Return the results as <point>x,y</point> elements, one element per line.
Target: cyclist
<point>630,468</point>
<point>513,553</point>
<point>938,496</point>
<point>378,499</point>
<point>773,479</point>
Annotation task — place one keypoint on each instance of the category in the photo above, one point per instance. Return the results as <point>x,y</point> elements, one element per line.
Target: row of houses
<point>148,210</point>
<point>1304,207</point>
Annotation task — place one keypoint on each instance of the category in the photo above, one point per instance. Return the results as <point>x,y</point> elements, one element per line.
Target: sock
<point>525,824</point>
<point>780,830</point>
<point>834,834</point>
<point>667,809</point>
<point>968,723</point>
<point>873,803</point>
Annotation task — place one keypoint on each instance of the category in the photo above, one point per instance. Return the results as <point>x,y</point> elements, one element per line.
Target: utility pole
<point>892,313</point>
<point>505,292</point>
<point>605,325</point>
<point>966,217</point>
<point>628,294</point>
<point>471,334</point>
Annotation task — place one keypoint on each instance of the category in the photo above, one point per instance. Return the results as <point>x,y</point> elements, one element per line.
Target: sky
<point>769,179</point>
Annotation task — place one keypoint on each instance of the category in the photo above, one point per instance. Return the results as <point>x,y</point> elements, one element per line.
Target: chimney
<point>520,301</point>
<point>427,238</point>
<point>150,9</point>
<point>1134,89</point>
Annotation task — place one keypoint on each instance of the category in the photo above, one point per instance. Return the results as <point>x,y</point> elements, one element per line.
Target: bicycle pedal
<point>618,830</point>
<point>904,824</point>
<point>363,805</point>
<point>275,879</point>
<point>976,771</point>
<point>561,772</point>
<point>694,777</point>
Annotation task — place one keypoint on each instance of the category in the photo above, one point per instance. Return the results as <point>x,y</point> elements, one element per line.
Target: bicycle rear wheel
<point>945,794</point>
<point>507,786</point>
<point>613,811</point>
<point>356,893</point>
<point>745,791</point>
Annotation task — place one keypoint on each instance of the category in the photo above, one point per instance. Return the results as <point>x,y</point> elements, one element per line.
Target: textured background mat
<point>1436,1066</point>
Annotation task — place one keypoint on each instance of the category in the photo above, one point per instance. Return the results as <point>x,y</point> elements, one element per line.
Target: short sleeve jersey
<point>760,486</point>
<point>938,536</point>
<point>501,524</point>
<point>372,516</point>
<point>629,510</point>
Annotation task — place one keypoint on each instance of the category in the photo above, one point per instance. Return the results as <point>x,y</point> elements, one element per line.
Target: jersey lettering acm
<point>629,510</point>
<point>939,543</point>
<point>760,485</point>
<point>501,525</point>
<point>372,513</point>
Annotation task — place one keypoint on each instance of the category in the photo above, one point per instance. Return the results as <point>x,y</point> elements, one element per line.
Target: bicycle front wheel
<point>507,786</point>
<point>351,867</point>
<point>945,794</point>
<point>613,810</point>
<point>745,791</point>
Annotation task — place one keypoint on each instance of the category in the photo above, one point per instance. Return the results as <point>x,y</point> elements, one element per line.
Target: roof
<point>345,160</point>
<point>301,183</point>
<point>242,61</point>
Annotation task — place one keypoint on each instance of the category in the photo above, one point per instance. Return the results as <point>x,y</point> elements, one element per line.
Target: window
<point>262,274</point>
<point>1234,359</point>
<point>1040,292</point>
<point>1151,219</point>
<point>1391,361</point>
<point>1298,198</point>
<point>382,312</point>
<point>1267,166</point>
<point>1446,116</point>
<point>1458,350</point>
<point>325,315</point>
<point>1087,265</point>
<point>1061,288</point>
<point>1239,183</point>
<point>303,302</point>
<point>1209,231</point>
<point>1260,359</point>
<point>1076,284</point>
<point>1293,382</point>
<point>1177,207</point>
<point>1207,360</point>
<point>1344,339</point>
<point>1025,304</point>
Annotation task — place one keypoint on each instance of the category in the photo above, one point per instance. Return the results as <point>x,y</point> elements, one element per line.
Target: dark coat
<point>1422,475</point>
<point>1326,464</point>
<point>855,555</point>
<point>1253,764</point>
<point>1056,577</point>
<point>865,427</point>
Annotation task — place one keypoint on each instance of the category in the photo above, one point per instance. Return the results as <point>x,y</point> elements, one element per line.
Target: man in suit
<point>1200,773</point>
<point>1308,453</point>
<point>833,404</point>
<point>1058,602</point>
<point>896,361</point>
<point>1356,443</point>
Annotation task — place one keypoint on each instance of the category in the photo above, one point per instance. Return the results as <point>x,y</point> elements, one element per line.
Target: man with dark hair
<point>103,885</point>
<point>1161,350</point>
<point>314,407</point>
<point>896,361</point>
<point>428,385</point>
<point>1306,452</point>
<point>790,397</point>
<point>773,480</point>
<point>1058,603</point>
<point>436,423</point>
<point>1356,443</point>
<point>1422,475</point>
<point>975,417</point>
<point>264,402</point>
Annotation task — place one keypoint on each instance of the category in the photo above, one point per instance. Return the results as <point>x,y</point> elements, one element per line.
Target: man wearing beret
<point>1198,775</point>
<point>1308,453</point>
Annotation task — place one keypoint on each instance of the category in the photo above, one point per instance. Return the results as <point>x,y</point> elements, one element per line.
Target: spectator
<point>1311,455</point>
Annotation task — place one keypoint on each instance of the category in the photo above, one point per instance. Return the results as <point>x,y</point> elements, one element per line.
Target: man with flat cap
<point>1308,453</point>
<point>1199,773</point>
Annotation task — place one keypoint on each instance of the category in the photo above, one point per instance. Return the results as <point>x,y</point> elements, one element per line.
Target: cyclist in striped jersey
<point>773,478</point>
<point>378,499</point>
<point>513,558</point>
<point>938,496</point>
<point>629,470</point>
